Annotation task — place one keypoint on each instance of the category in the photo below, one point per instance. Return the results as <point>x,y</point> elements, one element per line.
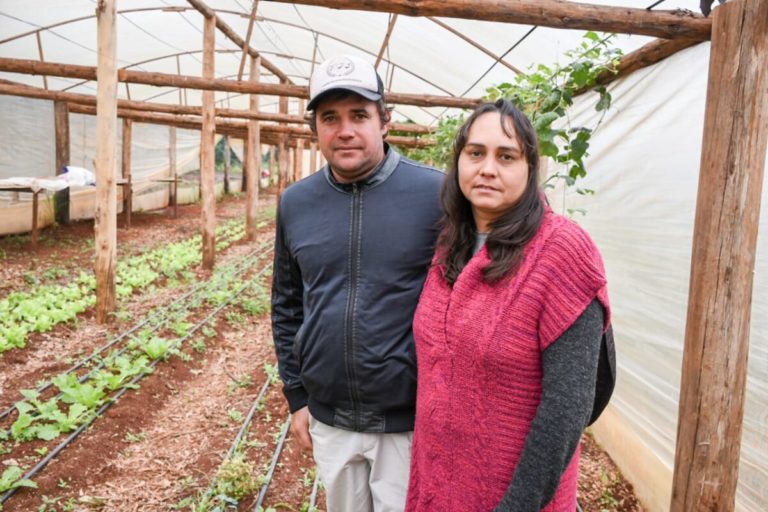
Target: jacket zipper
<point>354,256</point>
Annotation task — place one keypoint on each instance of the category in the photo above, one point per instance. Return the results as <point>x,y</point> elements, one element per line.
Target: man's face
<point>350,135</point>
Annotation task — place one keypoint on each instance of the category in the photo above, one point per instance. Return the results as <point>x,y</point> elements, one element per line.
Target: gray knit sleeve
<point>570,368</point>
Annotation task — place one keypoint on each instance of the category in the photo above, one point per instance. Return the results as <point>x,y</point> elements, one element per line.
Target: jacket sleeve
<point>570,370</point>
<point>287,317</point>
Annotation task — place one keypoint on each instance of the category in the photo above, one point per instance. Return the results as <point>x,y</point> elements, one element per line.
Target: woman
<point>507,331</point>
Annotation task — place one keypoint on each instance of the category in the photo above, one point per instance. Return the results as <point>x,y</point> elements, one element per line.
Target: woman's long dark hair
<point>513,229</point>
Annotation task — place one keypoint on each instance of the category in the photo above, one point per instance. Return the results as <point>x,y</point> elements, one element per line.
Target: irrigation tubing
<point>272,465</point>
<point>241,263</point>
<point>112,400</point>
<point>243,429</point>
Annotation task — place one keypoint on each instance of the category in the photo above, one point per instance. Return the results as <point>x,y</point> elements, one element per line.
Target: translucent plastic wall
<point>644,168</point>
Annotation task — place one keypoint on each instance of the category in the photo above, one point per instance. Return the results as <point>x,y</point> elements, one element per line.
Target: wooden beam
<point>207,160</point>
<point>647,55</point>
<point>312,157</point>
<point>126,171</point>
<point>269,132</point>
<point>32,67</point>
<point>253,161</point>
<point>544,13</point>
<point>480,47</point>
<point>105,217</point>
<point>282,155</point>
<point>384,44</point>
<point>723,260</point>
<point>249,32</point>
<point>235,38</point>
<point>61,125</point>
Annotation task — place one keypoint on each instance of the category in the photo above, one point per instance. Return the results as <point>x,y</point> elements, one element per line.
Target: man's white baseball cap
<point>345,72</point>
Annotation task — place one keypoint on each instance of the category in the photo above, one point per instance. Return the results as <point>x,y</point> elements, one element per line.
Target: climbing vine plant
<point>545,94</point>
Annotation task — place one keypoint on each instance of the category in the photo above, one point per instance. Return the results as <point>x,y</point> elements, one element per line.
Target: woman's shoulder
<point>564,242</point>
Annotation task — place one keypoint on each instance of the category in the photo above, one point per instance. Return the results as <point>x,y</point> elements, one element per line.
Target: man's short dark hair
<point>385,112</point>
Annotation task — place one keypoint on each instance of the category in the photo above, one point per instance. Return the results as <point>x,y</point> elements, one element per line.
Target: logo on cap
<point>340,66</point>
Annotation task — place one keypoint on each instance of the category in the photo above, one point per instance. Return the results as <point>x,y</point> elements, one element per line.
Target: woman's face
<point>493,169</point>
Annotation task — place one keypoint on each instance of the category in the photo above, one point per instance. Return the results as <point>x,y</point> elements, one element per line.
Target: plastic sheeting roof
<point>422,57</point>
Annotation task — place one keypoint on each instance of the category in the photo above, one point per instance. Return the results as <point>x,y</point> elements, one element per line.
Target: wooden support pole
<point>61,123</point>
<point>299,164</point>
<point>312,157</point>
<point>33,67</point>
<point>207,164</point>
<point>227,163</point>
<point>385,43</point>
<point>173,172</point>
<point>253,162</point>
<point>42,56</point>
<point>105,220</point>
<point>282,154</point>
<point>723,260</point>
<point>35,205</point>
<point>247,42</point>
<point>126,171</point>
<point>545,13</point>
<point>235,38</point>
<point>272,174</point>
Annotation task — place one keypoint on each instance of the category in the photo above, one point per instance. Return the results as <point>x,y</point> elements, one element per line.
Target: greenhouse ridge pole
<point>723,260</point>
<point>105,216</point>
<point>545,13</point>
<point>207,161</point>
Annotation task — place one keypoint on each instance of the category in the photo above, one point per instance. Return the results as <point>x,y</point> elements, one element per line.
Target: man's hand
<point>300,427</point>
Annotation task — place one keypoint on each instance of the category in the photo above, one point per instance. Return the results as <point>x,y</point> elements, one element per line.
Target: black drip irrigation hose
<point>243,429</point>
<point>112,400</point>
<point>236,268</point>
<point>272,465</point>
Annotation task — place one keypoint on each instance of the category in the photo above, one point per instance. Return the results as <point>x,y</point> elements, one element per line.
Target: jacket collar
<point>379,175</point>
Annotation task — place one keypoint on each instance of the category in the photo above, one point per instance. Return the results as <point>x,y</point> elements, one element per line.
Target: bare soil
<point>162,445</point>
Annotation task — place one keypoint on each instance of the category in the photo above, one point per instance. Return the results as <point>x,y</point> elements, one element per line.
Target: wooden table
<point>34,207</point>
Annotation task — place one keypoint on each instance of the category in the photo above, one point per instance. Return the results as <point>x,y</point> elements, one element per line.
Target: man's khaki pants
<point>361,472</point>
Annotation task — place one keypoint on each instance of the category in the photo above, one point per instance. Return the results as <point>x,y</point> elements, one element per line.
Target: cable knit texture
<point>479,352</point>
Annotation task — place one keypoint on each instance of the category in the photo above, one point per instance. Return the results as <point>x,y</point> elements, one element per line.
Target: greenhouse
<point>146,147</point>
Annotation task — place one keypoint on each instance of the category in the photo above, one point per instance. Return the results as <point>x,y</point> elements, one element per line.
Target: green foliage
<point>545,94</point>
<point>11,478</point>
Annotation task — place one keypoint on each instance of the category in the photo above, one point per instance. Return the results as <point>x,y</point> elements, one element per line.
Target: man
<point>352,247</point>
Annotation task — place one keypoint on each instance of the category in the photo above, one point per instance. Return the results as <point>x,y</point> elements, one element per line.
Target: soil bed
<point>160,447</point>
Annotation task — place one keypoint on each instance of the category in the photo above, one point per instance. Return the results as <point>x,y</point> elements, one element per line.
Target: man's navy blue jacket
<point>350,262</point>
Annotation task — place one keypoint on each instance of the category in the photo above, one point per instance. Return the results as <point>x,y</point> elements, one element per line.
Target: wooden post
<point>34,218</point>
<point>227,163</point>
<point>253,162</point>
<point>105,220</point>
<point>282,154</point>
<point>207,165</point>
<point>312,157</point>
<point>126,171</point>
<point>272,150</point>
<point>173,171</point>
<point>61,122</point>
<point>300,149</point>
<point>723,260</point>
